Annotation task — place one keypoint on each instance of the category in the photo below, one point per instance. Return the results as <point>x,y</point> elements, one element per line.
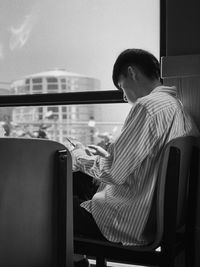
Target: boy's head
<point>143,60</point>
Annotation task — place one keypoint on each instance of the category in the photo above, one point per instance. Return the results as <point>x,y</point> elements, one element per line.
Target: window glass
<point>63,46</point>
<point>37,80</point>
<point>84,123</point>
<point>49,46</point>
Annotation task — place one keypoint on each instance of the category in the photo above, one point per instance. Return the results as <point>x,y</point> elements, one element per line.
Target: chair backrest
<point>170,199</point>
<point>33,211</point>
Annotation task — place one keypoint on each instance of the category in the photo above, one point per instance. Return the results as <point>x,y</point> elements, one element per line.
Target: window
<point>93,126</point>
<point>52,80</point>
<point>52,87</point>
<point>67,47</point>
<point>37,87</point>
<point>53,109</point>
<point>64,109</point>
<point>37,80</point>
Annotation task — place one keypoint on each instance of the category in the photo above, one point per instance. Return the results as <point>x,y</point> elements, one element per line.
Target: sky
<point>82,36</point>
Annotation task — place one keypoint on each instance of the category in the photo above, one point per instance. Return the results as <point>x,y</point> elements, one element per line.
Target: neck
<point>149,86</point>
<point>154,84</point>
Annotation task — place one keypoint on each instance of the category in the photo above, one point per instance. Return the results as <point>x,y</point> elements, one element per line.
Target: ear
<point>132,72</point>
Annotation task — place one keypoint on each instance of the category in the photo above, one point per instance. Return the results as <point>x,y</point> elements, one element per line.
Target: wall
<point>181,65</point>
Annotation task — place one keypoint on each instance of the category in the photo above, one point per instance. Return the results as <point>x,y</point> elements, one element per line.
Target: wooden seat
<point>168,219</point>
<point>36,224</point>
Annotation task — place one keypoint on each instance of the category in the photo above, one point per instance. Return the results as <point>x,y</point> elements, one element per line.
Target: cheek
<point>129,93</point>
<point>131,96</point>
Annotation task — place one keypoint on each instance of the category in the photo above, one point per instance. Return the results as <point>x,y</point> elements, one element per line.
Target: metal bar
<point>163,29</point>
<point>72,98</point>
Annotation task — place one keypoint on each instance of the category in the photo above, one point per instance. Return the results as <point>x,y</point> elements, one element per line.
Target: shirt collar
<point>166,89</point>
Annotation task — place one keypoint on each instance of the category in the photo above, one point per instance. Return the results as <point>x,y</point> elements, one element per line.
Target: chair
<point>193,217</point>
<point>36,224</point>
<point>167,219</point>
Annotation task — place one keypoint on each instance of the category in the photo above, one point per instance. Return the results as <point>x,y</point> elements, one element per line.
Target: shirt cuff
<point>76,153</point>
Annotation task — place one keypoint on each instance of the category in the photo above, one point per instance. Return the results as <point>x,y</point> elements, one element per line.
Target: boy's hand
<point>79,145</point>
<point>98,150</point>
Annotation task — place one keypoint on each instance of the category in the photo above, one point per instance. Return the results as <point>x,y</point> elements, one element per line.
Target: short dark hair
<point>145,61</point>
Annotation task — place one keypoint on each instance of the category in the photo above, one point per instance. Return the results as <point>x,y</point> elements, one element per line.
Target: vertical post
<point>65,210</point>
<point>91,125</point>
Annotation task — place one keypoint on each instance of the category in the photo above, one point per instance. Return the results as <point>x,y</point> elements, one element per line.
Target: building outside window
<point>57,119</point>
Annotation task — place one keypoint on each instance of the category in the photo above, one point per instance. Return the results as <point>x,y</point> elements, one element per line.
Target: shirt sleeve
<point>135,142</point>
<point>2,132</point>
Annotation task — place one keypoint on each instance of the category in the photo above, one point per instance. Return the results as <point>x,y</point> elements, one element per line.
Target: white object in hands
<point>69,144</point>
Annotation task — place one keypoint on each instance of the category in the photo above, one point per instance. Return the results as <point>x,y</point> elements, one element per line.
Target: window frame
<point>71,98</point>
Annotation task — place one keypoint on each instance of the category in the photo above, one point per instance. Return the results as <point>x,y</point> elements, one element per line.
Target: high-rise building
<point>60,121</point>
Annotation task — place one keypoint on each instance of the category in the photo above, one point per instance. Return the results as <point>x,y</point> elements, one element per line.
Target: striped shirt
<point>128,174</point>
